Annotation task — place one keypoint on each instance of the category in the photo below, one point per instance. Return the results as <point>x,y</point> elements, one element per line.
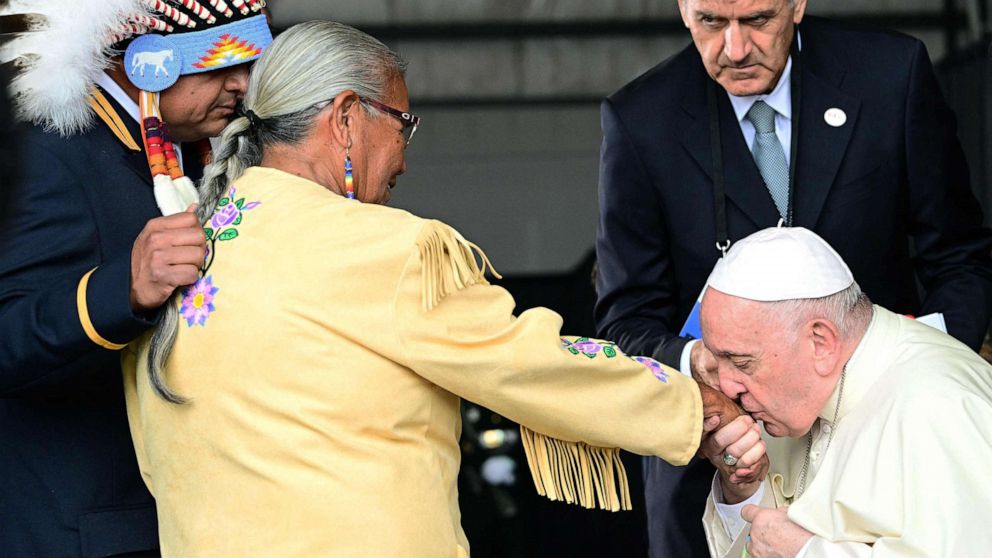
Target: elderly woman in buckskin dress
<point>302,398</point>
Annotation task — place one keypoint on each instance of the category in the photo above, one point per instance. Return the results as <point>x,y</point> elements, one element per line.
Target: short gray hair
<point>306,65</point>
<point>850,310</point>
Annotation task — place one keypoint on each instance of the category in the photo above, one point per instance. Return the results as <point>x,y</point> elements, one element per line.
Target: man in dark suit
<point>85,262</point>
<point>840,130</point>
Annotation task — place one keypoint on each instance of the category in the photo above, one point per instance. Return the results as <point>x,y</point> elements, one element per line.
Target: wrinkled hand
<point>740,438</point>
<point>716,404</point>
<point>773,534</point>
<point>703,365</point>
<point>166,255</point>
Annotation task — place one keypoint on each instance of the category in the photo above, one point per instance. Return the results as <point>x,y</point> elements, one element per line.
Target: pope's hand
<point>740,439</point>
<point>773,534</point>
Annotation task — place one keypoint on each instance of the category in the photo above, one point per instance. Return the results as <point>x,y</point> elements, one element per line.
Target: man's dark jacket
<point>69,480</point>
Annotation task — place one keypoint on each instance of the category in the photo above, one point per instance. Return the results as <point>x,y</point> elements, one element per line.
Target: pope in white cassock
<point>878,428</point>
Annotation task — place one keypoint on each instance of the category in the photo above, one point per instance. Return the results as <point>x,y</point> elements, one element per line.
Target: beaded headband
<point>155,62</point>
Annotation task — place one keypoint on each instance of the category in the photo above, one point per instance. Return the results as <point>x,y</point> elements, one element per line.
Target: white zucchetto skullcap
<point>784,263</point>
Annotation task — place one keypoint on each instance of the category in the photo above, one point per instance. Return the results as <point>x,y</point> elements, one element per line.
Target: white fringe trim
<point>449,263</point>
<point>577,473</point>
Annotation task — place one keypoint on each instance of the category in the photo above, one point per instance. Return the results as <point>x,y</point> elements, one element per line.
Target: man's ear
<point>799,10</point>
<point>682,11</point>
<point>825,337</point>
<point>344,108</point>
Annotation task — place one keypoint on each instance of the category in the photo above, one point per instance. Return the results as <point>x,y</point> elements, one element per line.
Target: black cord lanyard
<point>719,196</point>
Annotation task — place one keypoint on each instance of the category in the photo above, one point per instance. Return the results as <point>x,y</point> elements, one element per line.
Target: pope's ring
<point>729,459</point>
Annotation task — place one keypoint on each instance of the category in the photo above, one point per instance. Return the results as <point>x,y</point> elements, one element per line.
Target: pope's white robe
<point>907,471</point>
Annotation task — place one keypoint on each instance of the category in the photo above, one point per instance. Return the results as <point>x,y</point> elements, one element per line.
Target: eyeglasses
<point>410,121</point>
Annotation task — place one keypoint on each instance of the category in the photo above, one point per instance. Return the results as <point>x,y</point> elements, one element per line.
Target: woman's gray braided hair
<point>306,65</point>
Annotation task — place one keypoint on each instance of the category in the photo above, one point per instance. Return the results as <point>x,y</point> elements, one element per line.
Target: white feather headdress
<point>66,45</point>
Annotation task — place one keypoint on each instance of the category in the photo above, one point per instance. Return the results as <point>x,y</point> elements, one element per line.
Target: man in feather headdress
<point>117,95</point>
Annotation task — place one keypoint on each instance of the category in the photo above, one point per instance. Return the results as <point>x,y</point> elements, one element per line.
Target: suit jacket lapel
<point>135,161</point>
<point>743,184</point>
<point>695,124</point>
<point>821,146</point>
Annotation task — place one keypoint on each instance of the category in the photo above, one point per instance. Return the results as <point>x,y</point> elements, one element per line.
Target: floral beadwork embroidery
<point>655,367</point>
<point>229,212</point>
<point>198,299</point>
<point>591,348</point>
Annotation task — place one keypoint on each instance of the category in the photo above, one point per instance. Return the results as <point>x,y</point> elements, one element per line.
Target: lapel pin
<point>835,117</point>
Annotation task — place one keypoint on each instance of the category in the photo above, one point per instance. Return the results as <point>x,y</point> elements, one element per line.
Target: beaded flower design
<point>227,217</point>
<point>654,366</point>
<point>592,348</point>
<point>198,299</point>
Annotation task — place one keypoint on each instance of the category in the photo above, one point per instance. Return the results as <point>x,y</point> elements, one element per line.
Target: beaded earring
<point>349,180</point>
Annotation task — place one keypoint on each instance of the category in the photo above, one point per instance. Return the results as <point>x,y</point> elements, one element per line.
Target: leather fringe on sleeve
<point>576,473</point>
<point>449,263</point>
<point>569,471</point>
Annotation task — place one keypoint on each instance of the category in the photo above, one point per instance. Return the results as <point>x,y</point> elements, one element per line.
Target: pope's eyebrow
<point>732,354</point>
<point>764,14</point>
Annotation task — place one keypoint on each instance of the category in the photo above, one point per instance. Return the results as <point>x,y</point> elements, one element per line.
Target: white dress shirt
<point>110,86</point>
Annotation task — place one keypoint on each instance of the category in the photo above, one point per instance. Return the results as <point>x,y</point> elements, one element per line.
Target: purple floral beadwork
<point>654,366</point>
<point>225,216</point>
<point>198,301</point>
<point>588,346</point>
<point>229,210</point>
<point>592,348</point>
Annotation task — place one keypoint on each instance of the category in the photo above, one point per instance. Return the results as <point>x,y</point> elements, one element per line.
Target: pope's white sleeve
<point>730,514</point>
<point>685,361</point>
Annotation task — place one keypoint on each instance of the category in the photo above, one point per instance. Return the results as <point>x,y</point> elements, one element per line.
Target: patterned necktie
<point>769,156</point>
